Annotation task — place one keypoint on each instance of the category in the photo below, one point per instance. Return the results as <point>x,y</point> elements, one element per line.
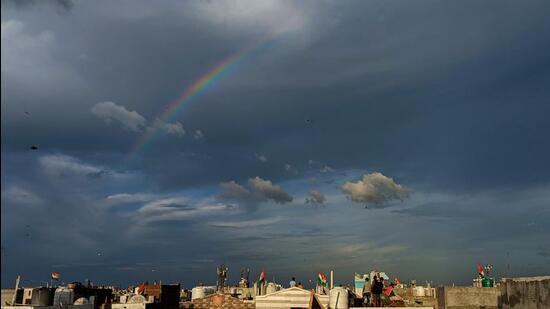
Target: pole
<point>331,279</point>
<point>14,298</point>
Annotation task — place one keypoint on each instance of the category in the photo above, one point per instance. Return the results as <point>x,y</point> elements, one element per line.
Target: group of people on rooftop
<point>373,290</point>
<point>293,283</point>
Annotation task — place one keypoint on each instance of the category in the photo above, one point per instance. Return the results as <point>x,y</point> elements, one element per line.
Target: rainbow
<point>198,87</point>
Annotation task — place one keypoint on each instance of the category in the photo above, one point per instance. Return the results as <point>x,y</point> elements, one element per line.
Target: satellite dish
<point>81,301</point>
<point>137,299</point>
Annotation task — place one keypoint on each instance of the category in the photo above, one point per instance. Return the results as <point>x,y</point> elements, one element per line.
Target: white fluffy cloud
<point>109,111</point>
<point>375,188</point>
<point>135,122</point>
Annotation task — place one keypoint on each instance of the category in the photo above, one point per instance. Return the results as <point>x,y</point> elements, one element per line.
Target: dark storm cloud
<point>447,98</point>
<point>65,5</point>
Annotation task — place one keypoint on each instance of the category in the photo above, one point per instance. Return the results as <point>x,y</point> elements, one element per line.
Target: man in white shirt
<point>292,282</point>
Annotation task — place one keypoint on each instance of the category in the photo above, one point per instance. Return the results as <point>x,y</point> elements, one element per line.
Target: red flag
<point>141,288</point>
<point>480,269</point>
<point>262,277</point>
<point>56,275</point>
<point>388,290</point>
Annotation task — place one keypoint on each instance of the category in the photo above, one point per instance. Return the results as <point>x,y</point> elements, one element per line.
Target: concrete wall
<point>525,293</point>
<point>467,298</point>
<point>7,295</point>
<point>133,306</point>
<point>288,298</point>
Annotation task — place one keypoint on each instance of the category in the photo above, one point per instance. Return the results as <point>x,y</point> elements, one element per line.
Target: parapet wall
<point>468,298</point>
<point>526,293</point>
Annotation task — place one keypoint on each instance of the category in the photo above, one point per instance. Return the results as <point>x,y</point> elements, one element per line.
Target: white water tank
<point>338,298</point>
<point>137,299</point>
<point>201,292</point>
<point>419,291</point>
<point>197,293</point>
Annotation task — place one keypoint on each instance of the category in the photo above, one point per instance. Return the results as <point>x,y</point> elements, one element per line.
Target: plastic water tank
<point>202,291</point>
<point>137,299</point>
<point>338,298</point>
<point>419,291</point>
<point>197,293</point>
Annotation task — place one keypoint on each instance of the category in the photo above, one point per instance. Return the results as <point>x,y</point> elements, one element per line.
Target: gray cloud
<point>291,169</point>
<point>269,191</point>
<point>259,190</point>
<point>198,135</point>
<point>123,198</point>
<point>460,88</point>
<point>375,188</point>
<point>246,223</point>
<point>133,121</point>
<point>315,197</point>
<point>232,189</point>
<point>109,111</point>
<point>21,196</point>
<point>60,165</point>
<point>260,157</point>
<point>65,5</point>
<point>177,209</point>
<point>175,128</point>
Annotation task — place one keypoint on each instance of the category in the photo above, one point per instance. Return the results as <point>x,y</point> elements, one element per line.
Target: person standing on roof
<point>292,282</point>
<point>377,288</point>
<point>367,292</point>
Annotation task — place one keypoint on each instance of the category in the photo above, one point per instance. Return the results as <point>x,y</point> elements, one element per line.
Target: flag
<point>262,278</point>
<point>396,281</point>
<point>480,270</point>
<point>387,291</point>
<point>56,275</point>
<point>322,279</point>
<point>141,288</point>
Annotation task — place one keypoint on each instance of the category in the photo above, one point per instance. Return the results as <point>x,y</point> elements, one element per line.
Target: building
<point>289,298</point>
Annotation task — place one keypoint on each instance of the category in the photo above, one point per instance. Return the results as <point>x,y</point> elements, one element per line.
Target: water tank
<point>202,291</point>
<point>419,291</point>
<point>63,297</point>
<point>487,282</point>
<point>137,299</point>
<point>338,298</point>
<point>42,297</point>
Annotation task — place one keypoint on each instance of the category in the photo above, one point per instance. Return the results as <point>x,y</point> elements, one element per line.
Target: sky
<point>293,137</point>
